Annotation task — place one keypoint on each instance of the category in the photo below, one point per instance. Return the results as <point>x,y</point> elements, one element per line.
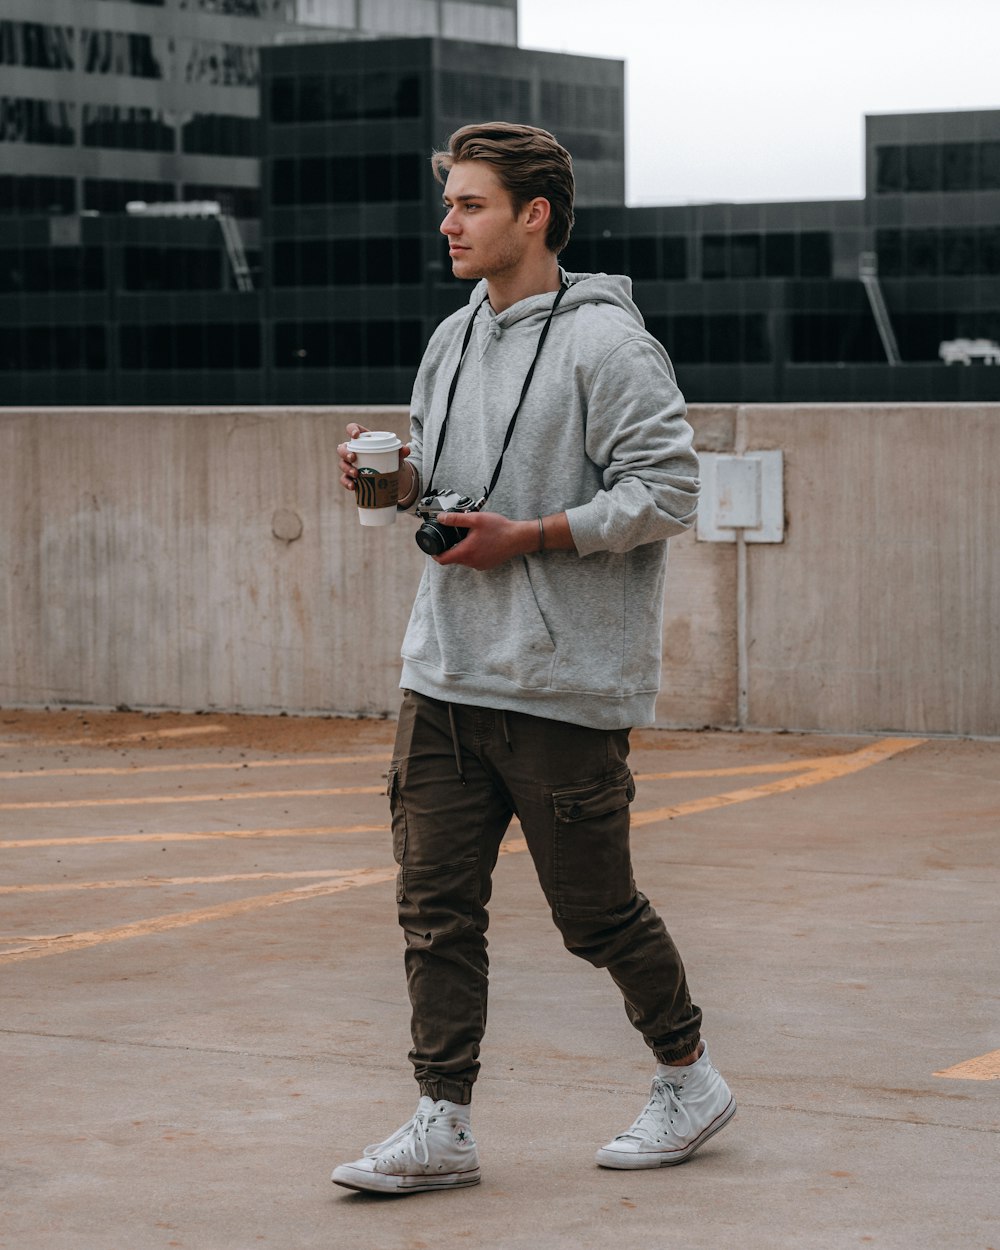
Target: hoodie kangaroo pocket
<point>489,630</point>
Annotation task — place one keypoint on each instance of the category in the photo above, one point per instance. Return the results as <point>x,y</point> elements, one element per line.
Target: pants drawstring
<point>455,743</point>
<point>506,730</point>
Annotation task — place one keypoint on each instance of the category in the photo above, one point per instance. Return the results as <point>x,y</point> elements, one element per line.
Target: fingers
<point>460,520</point>
<point>347,458</point>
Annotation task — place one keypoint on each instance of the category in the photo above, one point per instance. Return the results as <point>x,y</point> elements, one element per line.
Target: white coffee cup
<point>376,488</point>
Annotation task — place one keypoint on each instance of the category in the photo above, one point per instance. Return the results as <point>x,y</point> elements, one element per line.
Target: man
<point>533,646</point>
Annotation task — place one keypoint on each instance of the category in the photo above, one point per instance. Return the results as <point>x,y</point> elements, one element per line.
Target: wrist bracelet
<point>541,535</point>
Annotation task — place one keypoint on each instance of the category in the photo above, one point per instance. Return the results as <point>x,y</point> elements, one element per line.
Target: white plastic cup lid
<point>375,441</point>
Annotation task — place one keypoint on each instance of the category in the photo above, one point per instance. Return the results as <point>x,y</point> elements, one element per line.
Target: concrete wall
<point>148,557</point>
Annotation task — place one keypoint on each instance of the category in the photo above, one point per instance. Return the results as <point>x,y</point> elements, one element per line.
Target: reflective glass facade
<point>320,149</point>
<point>356,273</point>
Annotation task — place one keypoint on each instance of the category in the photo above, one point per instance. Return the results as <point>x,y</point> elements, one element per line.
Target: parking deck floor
<point>204,1007</point>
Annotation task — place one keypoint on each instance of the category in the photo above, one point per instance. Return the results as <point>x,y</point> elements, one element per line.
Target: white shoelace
<point>649,1124</point>
<point>413,1135</point>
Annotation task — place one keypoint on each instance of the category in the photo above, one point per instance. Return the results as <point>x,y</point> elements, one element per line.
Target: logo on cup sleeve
<point>376,489</point>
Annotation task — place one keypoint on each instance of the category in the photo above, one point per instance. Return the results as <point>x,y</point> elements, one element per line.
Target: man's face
<point>485,237</point>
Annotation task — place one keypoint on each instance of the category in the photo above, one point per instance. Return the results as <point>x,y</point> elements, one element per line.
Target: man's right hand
<point>348,472</point>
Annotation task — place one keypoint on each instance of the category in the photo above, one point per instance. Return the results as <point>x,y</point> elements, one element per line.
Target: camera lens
<point>431,539</point>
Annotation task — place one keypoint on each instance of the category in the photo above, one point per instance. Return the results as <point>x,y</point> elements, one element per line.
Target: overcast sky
<point>765,99</point>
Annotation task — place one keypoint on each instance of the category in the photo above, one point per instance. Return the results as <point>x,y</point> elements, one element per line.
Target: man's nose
<point>449,225</point>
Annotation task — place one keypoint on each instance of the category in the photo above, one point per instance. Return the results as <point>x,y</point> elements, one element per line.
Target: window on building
<point>276,10</point>
<point>217,134</point>
<point>485,95</point>
<point>334,13</point>
<point>643,259</point>
<point>25,120</point>
<point>217,64</point>
<point>780,260</point>
<point>835,338</point>
<point>815,254</point>
<point>889,176</point>
<point>173,268</point>
<point>673,258</point>
<point>923,167</point>
<point>36,46</point>
<point>725,338</point>
<point>378,178</point>
<point>41,348</point>
<point>714,256</point>
<point>934,252</point>
<point>989,166</point>
<point>135,129</point>
<point>123,53</point>
<point>211,345</point>
<point>744,255</point>
<point>958,167</point>
<point>23,194</point>
<point>379,261</point>
<point>416,17</point>
<point>479,23</point>
<point>51,269</point>
<point>938,167</point>
<point>347,344</point>
<point>610,255</point>
<point>368,96</point>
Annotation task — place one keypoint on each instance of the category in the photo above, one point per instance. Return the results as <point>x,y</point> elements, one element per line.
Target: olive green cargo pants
<point>459,773</point>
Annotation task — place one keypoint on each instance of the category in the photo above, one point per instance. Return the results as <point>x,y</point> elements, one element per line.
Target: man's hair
<point>528,162</point>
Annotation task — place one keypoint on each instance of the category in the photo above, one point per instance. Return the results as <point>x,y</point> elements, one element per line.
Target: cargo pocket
<point>592,862</point>
<point>437,902</point>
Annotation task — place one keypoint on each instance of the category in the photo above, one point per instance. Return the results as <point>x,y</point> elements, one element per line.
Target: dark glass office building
<point>310,122</point>
<point>356,271</point>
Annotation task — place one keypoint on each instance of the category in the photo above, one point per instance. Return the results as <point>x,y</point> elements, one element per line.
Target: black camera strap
<point>564,287</point>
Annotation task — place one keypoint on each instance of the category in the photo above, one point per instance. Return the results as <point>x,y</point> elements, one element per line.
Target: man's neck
<point>537,279</point>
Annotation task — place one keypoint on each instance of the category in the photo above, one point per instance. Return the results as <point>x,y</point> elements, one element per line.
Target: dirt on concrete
<point>163,731</point>
<point>291,735</point>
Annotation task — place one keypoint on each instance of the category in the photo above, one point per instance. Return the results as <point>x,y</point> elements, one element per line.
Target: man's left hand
<point>490,539</point>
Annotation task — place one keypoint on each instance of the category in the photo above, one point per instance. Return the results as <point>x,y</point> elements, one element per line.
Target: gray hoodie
<point>569,635</point>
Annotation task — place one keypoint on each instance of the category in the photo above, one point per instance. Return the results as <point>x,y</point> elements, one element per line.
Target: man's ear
<point>538,215</point>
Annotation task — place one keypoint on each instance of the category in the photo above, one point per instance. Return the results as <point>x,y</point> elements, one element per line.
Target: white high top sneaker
<point>686,1106</point>
<point>434,1150</point>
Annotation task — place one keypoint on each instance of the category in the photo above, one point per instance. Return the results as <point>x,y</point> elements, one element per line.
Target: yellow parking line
<point>115,739</point>
<point>139,883</point>
<point>212,766</point>
<point>828,769</point>
<point>331,761</point>
<point>818,764</point>
<point>746,770</point>
<point>202,836</point>
<point>60,944</point>
<point>984,1068</point>
<point>156,799</point>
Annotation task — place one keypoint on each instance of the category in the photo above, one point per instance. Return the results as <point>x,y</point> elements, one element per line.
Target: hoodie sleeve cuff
<point>586,528</point>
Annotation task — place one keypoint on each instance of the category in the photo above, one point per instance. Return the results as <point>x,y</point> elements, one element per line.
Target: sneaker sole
<point>383,1183</point>
<point>629,1161</point>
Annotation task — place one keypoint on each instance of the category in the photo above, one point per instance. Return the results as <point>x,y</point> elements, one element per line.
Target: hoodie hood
<point>583,288</point>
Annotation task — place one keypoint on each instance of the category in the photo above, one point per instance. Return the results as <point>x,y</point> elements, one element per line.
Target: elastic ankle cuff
<point>450,1091</point>
<point>670,1057</point>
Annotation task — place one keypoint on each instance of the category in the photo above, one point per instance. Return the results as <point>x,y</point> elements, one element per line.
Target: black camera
<point>433,537</point>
